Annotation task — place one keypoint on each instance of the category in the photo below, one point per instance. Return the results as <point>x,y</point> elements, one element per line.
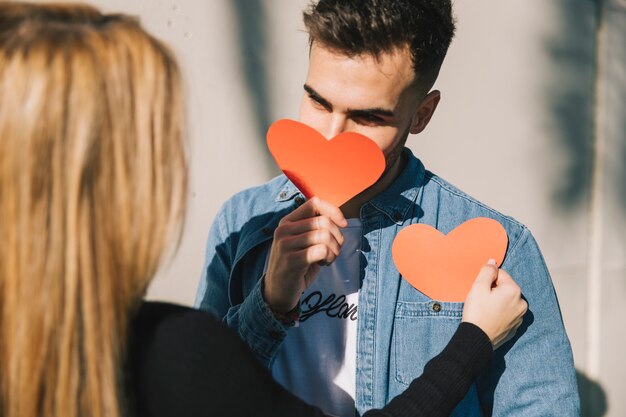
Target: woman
<point>93,184</point>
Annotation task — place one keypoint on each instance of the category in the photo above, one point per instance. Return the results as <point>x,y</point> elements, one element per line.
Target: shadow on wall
<point>570,95</point>
<point>616,13</point>
<point>570,100</point>
<point>593,401</point>
<point>252,37</point>
<point>621,171</point>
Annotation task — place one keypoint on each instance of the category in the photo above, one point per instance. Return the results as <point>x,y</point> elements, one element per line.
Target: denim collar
<point>287,192</point>
<point>395,201</point>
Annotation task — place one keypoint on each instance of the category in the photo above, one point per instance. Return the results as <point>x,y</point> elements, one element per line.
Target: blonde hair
<point>92,189</point>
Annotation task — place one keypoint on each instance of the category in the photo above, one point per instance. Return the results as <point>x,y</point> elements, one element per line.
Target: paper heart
<point>334,170</point>
<point>444,267</point>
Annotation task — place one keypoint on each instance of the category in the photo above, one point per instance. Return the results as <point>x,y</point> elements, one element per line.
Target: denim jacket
<point>399,328</point>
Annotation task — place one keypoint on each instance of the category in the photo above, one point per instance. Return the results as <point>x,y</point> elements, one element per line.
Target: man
<point>313,289</point>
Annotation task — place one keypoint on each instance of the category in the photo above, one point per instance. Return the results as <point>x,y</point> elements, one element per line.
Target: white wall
<point>531,122</point>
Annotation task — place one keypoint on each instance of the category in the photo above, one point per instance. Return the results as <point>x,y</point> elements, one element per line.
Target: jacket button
<point>397,217</point>
<point>282,194</point>
<point>275,335</point>
<point>299,200</point>
<point>266,230</point>
<point>436,307</point>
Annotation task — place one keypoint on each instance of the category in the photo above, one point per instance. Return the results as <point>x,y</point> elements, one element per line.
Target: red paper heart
<point>334,170</point>
<point>444,267</point>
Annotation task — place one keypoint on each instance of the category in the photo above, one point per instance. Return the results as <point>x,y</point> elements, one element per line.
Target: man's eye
<point>369,120</point>
<point>317,103</point>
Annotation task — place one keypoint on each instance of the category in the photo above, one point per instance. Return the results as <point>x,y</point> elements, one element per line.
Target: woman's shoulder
<point>186,362</point>
<point>163,330</point>
<point>179,358</point>
<point>165,319</point>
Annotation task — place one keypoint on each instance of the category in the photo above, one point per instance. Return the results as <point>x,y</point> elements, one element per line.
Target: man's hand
<point>495,304</point>
<point>304,239</point>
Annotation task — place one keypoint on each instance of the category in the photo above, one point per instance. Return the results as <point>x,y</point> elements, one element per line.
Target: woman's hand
<point>495,304</point>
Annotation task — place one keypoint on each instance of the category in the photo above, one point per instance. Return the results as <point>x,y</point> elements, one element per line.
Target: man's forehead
<point>398,60</point>
<point>372,81</point>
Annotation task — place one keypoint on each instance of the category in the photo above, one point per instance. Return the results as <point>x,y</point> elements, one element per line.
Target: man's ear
<point>425,111</point>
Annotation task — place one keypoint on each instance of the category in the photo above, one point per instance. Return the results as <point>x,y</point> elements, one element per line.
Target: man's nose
<point>335,125</point>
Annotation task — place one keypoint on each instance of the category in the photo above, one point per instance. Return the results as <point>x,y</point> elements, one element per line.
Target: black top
<point>185,363</point>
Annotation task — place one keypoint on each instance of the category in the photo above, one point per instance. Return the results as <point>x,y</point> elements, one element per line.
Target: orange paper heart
<point>334,170</point>
<point>444,267</point>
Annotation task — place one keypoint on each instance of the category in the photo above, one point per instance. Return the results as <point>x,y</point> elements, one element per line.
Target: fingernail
<point>491,262</point>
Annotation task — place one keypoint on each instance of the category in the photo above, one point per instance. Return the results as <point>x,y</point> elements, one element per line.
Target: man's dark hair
<point>357,27</point>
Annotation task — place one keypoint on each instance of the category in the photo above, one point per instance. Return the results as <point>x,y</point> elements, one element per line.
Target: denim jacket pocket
<point>411,351</point>
<point>413,320</point>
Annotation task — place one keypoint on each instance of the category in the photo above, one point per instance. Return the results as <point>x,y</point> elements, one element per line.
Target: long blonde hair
<point>92,188</point>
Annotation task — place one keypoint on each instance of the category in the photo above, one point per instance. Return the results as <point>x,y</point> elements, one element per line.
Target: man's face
<point>375,97</point>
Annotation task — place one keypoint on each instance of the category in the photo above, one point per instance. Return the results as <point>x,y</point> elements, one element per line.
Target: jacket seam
<point>515,244</point>
<point>465,197</point>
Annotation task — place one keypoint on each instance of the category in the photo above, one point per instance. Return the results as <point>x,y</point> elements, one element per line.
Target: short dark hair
<point>357,27</point>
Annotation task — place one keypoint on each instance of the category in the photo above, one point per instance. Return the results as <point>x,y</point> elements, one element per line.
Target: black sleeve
<point>185,363</point>
<point>446,377</point>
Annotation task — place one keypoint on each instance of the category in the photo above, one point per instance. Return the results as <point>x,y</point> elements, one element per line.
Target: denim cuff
<point>259,327</point>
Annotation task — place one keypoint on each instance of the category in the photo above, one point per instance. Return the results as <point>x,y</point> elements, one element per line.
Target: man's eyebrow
<point>317,97</point>
<point>374,111</point>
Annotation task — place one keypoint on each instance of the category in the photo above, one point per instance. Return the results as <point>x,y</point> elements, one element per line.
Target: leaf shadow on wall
<point>571,99</point>
<point>570,95</point>
<point>251,24</point>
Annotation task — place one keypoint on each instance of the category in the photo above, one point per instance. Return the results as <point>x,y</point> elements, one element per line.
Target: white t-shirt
<point>317,359</point>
